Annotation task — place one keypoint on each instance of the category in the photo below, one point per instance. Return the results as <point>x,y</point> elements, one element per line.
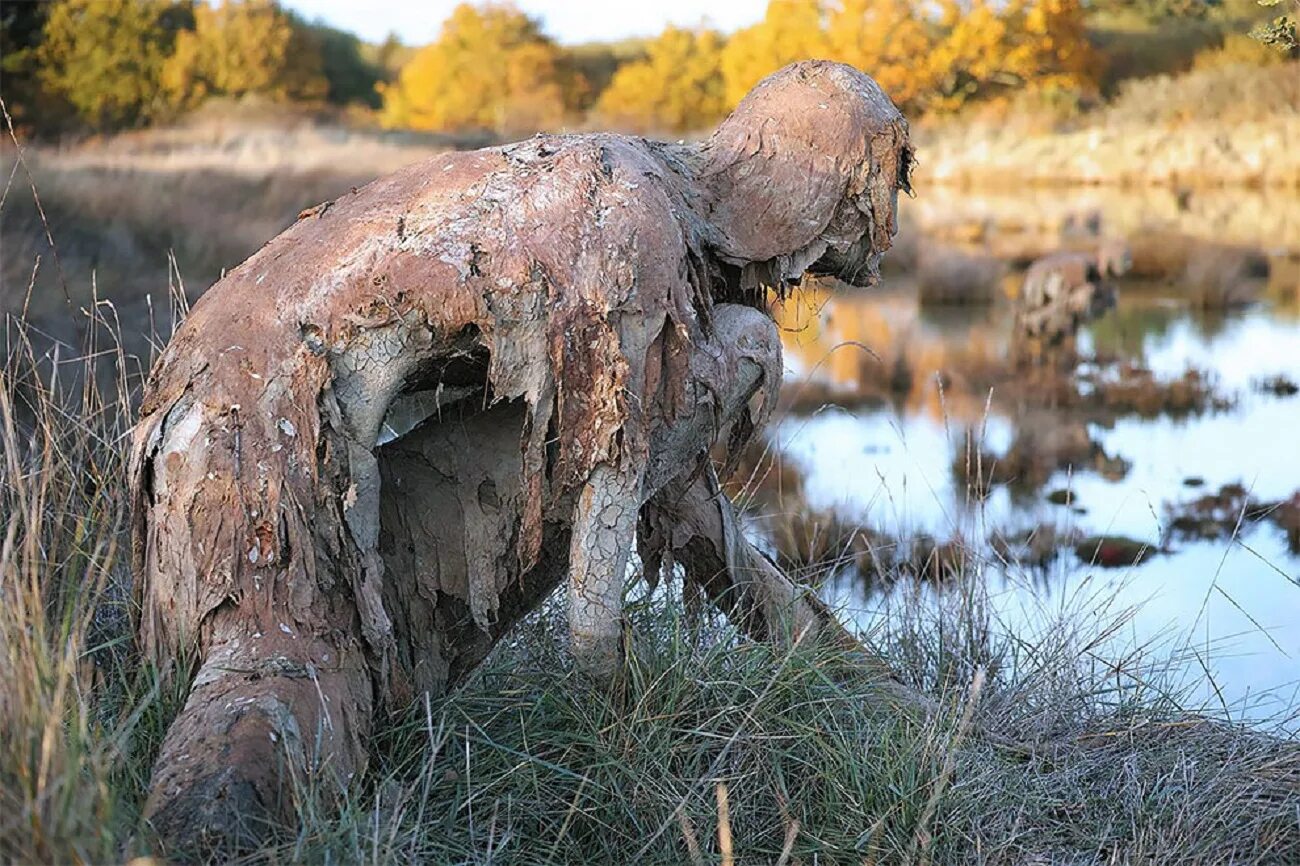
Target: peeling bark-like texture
<point>387,435</point>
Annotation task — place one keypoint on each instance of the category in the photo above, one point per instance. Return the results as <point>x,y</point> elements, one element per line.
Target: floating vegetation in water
<point>1061,496</point>
<point>1037,546</point>
<point>1114,551</point>
<point>1286,515</point>
<point>1132,389</point>
<point>1227,512</point>
<point>1279,385</point>
<point>1216,515</point>
<point>1038,451</point>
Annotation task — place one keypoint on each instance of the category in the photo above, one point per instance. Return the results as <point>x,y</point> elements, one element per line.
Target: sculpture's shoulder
<point>456,240</point>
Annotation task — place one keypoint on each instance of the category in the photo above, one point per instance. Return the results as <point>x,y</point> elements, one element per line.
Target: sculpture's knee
<point>750,347</point>
<point>740,358</point>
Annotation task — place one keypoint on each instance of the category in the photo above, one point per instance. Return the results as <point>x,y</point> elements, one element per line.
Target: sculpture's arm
<point>604,527</point>
<point>701,530</point>
<point>740,355</point>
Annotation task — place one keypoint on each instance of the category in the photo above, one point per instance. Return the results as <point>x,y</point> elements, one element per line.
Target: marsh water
<point>1153,466</point>
<point>911,441</point>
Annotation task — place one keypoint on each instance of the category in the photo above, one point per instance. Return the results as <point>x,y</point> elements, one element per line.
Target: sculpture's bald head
<point>805,173</point>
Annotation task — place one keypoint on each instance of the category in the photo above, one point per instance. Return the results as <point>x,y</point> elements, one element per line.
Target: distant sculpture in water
<point>1063,291</point>
<point>389,434</point>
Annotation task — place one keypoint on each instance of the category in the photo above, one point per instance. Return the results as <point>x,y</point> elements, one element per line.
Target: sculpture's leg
<point>604,527</point>
<point>703,530</point>
<point>267,712</point>
<point>688,518</point>
<point>239,569</point>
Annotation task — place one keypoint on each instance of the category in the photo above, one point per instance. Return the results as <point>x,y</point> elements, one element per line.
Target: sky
<point>416,22</point>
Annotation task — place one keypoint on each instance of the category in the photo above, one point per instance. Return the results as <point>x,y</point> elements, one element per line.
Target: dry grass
<point>1226,94</point>
<point>1216,126</point>
<point>1221,279</point>
<point>948,275</point>
<point>80,720</point>
<point>206,195</point>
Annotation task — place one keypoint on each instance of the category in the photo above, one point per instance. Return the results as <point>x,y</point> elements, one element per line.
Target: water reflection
<point>908,426</point>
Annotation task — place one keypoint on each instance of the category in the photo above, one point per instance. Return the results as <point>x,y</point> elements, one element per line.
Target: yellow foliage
<point>790,30</point>
<point>491,68</point>
<point>934,55</point>
<point>989,46</point>
<point>886,38</point>
<point>241,47</point>
<point>105,57</point>
<point>677,87</point>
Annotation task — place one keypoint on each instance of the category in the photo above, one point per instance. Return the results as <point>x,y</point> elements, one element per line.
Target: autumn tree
<point>106,57</point>
<point>351,69</point>
<point>1054,50</point>
<point>242,47</point>
<point>677,87</point>
<point>28,103</point>
<point>491,68</point>
<point>599,62</point>
<point>991,46</point>
<point>888,39</point>
<point>790,30</point>
<point>925,55</point>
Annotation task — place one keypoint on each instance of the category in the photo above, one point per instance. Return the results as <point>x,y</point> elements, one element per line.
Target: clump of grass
<point>1222,279</point>
<point>524,765</point>
<point>81,721</point>
<point>947,275</point>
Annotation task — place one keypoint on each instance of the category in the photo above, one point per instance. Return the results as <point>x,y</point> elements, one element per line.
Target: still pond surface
<point>1172,437</point>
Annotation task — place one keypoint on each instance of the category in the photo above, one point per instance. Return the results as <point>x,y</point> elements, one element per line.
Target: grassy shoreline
<point>524,764</point>
<point>1218,127</point>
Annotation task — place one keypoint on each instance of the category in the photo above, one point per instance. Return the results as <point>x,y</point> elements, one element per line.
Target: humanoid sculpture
<point>391,432</point>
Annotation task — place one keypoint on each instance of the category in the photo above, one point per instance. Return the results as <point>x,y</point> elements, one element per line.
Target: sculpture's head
<point>805,173</point>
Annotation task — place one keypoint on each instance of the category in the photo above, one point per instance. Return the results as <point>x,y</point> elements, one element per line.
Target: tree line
<point>113,64</point>
<point>492,67</point>
<point>109,64</point>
